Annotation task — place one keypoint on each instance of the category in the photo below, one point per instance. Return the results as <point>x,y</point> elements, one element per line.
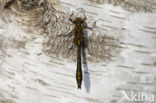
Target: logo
<point>137,96</point>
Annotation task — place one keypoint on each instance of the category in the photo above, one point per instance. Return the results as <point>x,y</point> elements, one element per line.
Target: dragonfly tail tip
<point>79,87</point>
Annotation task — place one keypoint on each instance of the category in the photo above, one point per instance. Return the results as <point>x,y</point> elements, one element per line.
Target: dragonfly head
<point>78,21</point>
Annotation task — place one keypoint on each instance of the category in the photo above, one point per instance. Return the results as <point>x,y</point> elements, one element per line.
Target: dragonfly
<point>81,43</point>
<point>76,41</point>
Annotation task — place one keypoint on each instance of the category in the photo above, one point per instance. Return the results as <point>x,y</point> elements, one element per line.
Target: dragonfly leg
<point>70,49</point>
<point>70,18</point>
<point>89,51</point>
<point>8,4</point>
<point>68,35</point>
<point>91,28</point>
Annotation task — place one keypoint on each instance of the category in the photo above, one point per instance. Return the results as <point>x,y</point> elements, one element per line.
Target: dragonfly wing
<point>61,46</point>
<point>102,47</point>
<point>57,41</point>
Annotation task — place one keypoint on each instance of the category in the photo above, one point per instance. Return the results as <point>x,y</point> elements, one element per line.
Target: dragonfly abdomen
<point>79,69</point>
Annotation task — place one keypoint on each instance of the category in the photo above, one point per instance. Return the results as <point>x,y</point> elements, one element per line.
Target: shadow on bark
<point>86,75</point>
